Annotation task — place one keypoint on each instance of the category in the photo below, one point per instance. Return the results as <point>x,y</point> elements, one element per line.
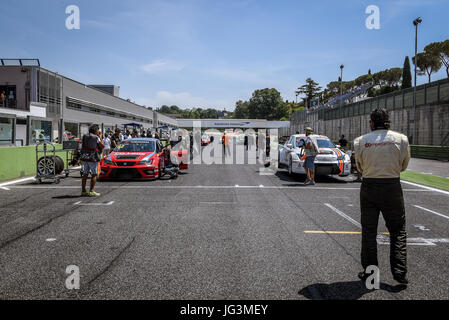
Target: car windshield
<point>325,143</point>
<point>136,146</point>
<point>300,141</point>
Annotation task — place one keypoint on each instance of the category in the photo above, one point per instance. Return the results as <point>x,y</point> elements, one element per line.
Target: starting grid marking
<point>382,238</point>
<point>199,187</point>
<point>80,203</point>
<point>431,211</point>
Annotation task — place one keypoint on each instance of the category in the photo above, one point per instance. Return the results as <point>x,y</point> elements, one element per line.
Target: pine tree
<point>406,74</point>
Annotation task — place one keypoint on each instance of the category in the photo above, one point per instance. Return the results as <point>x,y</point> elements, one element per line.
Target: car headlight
<point>146,161</point>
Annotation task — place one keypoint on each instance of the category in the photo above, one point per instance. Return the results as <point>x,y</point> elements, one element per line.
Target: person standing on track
<point>90,156</point>
<point>116,138</point>
<point>381,156</point>
<point>311,150</point>
<point>343,142</point>
<point>107,145</point>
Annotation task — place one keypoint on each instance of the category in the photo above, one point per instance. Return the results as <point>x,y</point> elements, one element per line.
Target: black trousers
<point>383,195</point>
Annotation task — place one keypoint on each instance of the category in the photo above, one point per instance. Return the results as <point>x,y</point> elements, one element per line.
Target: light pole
<point>416,22</point>
<point>341,93</point>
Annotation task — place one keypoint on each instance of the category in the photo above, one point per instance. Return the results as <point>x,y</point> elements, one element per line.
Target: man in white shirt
<point>381,156</point>
<point>107,145</point>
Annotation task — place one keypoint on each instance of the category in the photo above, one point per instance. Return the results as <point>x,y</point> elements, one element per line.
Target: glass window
<point>136,146</point>
<point>8,97</point>
<point>325,143</point>
<point>300,141</point>
<point>40,130</point>
<point>6,130</point>
<point>71,131</point>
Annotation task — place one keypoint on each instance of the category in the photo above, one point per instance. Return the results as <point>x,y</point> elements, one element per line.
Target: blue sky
<point>210,53</point>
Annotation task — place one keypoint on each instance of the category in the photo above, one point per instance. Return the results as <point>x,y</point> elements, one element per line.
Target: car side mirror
<point>338,146</point>
<point>289,145</point>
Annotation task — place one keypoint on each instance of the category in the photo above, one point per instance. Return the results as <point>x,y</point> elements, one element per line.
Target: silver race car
<point>329,161</point>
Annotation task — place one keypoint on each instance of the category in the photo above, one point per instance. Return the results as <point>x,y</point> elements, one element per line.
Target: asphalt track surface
<point>216,232</point>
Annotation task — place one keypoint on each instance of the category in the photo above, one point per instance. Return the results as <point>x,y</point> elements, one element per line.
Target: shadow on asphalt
<point>348,290</point>
<point>284,176</point>
<point>67,197</point>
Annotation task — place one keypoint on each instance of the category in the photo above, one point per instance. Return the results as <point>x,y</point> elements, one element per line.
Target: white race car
<point>330,160</point>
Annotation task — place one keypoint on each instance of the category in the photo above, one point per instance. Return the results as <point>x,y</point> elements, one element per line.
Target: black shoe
<point>363,276</point>
<point>402,279</point>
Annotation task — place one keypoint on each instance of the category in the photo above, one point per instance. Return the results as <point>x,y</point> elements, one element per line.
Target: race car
<point>329,161</point>
<point>140,158</point>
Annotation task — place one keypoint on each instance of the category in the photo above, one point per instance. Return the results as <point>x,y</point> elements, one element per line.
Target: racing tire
<point>290,166</point>
<point>48,163</point>
<point>159,171</point>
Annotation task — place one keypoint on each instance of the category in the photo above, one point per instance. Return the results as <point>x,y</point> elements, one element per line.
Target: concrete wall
<point>432,116</point>
<point>16,162</point>
<point>432,124</point>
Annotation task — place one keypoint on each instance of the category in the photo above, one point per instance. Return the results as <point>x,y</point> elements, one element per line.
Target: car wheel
<point>159,170</point>
<point>47,166</point>
<point>290,169</point>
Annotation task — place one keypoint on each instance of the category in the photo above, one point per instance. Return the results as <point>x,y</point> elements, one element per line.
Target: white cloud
<point>160,66</point>
<point>183,100</point>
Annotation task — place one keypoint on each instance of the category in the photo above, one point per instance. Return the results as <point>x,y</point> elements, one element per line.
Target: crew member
<point>311,150</point>
<point>90,156</point>
<point>116,138</point>
<point>343,142</point>
<point>381,156</point>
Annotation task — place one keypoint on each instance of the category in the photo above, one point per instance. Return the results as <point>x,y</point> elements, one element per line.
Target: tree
<point>175,110</point>
<point>406,74</point>
<point>241,110</point>
<point>441,50</point>
<point>428,63</point>
<point>393,77</point>
<point>164,109</point>
<point>267,104</point>
<point>310,90</point>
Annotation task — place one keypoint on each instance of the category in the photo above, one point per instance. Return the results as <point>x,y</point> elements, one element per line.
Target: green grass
<point>426,179</point>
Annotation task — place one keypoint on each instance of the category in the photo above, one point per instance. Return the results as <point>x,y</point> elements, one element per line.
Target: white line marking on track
<point>425,187</point>
<point>202,187</point>
<point>4,188</point>
<point>79,203</point>
<point>431,211</point>
<point>381,239</point>
<point>4,184</point>
<point>50,239</point>
<point>343,215</point>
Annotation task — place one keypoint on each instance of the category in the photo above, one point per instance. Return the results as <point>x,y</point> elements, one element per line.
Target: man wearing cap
<point>311,150</point>
<point>381,155</point>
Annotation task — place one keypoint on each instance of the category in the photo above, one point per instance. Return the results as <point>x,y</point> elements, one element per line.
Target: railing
<point>9,103</point>
<point>427,94</point>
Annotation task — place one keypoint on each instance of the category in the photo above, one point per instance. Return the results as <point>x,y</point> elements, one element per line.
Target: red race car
<point>140,158</point>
